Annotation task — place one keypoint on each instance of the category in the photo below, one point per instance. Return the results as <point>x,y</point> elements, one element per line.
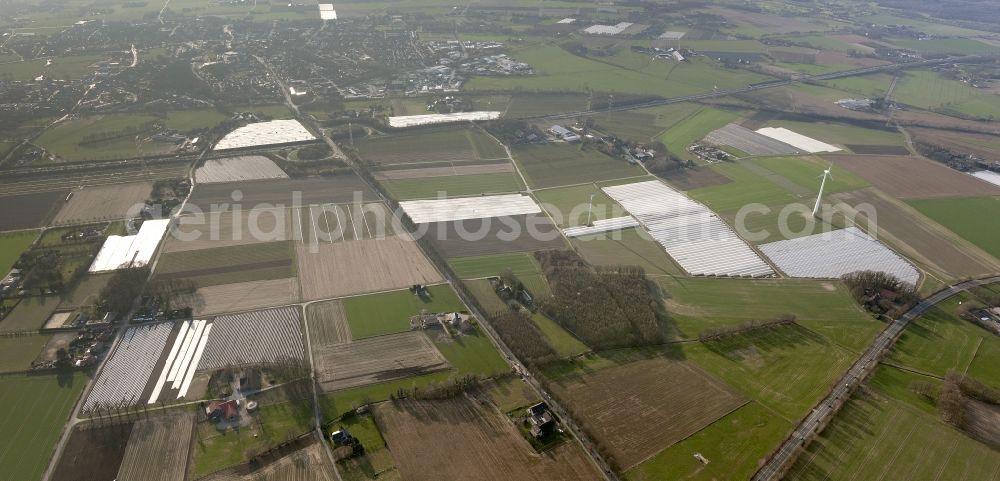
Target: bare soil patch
<point>328,324</point>
<point>336,189</point>
<point>423,436</point>
<point>913,177</point>
<point>376,359</point>
<point>690,179</point>
<point>26,211</point>
<point>93,452</point>
<point>920,239</point>
<point>107,202</point>
<point>307,464</point>
<point>982,421</point>
<point>158,449</point>
<point>229,228</point>
<point>445,171</point>
<point>242,296</point>
<point>638,409</point>
<point>329,270</point>
<point>495,235</point>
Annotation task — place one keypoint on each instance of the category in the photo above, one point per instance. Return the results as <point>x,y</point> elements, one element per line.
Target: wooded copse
<point>606,307</point>
<point>521,335</point>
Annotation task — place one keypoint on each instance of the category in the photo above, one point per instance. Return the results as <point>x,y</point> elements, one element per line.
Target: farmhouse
<point>223,410</point>
<point>540,420</point>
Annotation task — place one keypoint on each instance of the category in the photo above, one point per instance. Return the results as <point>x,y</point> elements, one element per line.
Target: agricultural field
<point>62,68</point>
<point>377,265</point>
<point>965,218</point>
<point>930,91</point>
<point>242,296</point>
<point>843,134</point>
<point>29,210</point>
<point>251,337</point>
<point>430,146</point>
<point>632,247</point>
<point>337,189</point>
<point>390,312</point>
<point>733,446</point>
<point>158,448</point>
<point>804,172</point>
<point>747,187</point>
<point>694,128</point>
<point>102,203</point>
<point>570,206</point>
<point>921,239</point>
<point>129,367</point>
<point>453,186</point>
<point>227,265</point>
<point>494,235</point>
<point>643,125</point>
<point>637,409</point>
<point>238,169</point>
<point>376,359</point>
<point>307,464</point>
<point>35,408</point>
<point>524,105</point>
<point>227,228</point>
<point>519,263</point>
<point>560,339</point>
<point>29,314</point>
<point>93,452</point>
<point>912,177</point>
<point>493,449</point>
<point>823,306</point>
<point>12,245</point>
<point>557,164</point>
<point>469,353</point>
<point>327,323</point>
<point>73,140</point>
<point>786,369</point>
<point>445,169</point>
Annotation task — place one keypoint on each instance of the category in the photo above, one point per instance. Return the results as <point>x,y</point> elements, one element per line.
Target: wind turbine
<point>822,184</point>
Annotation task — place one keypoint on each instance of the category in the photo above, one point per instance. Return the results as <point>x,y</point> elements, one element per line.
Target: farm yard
<point>113,202</point>
<point>158,448</point>
<point>376,359</point>
<point>35,408</point>
<point>254,337</point>
<point>492,447</point>
<point>637,409</point>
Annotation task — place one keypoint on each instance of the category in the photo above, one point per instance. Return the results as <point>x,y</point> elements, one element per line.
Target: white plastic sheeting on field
<point>691,233</point>
<point>238,169</point>
<point>462,208</point>
<point>412,120</point>
<point>326,11</point>
<point>265,133</point>
<point>130,251</point>
<point>797,140</point>
<point>833,254</point>
<point>183,359</point>
<point>603,225</point>
<point>988,176</point>
<point>128,370</point>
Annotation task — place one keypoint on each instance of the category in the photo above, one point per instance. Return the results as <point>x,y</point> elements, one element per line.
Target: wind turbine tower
<point>822,184</point>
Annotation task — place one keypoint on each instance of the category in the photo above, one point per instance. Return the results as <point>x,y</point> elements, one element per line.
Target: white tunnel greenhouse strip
<point>265,133</point>
<point>833,254</point>
<point>462,208</point>
<point>603,225</point>
<point>134,250</point>
<point>691,233</point>
<point>797,140</point>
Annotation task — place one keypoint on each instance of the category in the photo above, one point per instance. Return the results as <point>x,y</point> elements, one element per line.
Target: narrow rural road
<point>800,438</point>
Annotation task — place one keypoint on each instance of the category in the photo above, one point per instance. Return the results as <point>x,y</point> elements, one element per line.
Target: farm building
<point>223,410</point>
<point>563,133</point>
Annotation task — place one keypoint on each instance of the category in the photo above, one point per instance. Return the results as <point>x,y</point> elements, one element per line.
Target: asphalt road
<point>829,406</point>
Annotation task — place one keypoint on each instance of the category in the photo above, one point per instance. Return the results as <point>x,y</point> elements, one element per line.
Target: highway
<point>783,458</point>
<point>765,85</point>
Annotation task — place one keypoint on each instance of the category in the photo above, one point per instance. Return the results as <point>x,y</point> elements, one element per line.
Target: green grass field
<point>643,125</point>
<point>965,217</point>
<point>471,354</point>
<point>787,369</point>
<point>557,164</point>
<point>35,408</point>
<point>856,445</point>
<point>733,445</point>
<point>30,314</point>
<point>335,404</point>
<point>531,105</point>
<point>62,68</point>
<point>870,86</point>
<point>19,351</point>
<point>630,247</point>
<point>954,46</point>
<point>806,171</point>
<point>562,341</point>
<point>569,206</point>
<point>929,90</point>
<point>453,143</point>
<point>454,186</point>
<point>694,128</point>
<point>12,244</point>
<point>520,263</point>
<point>390,312</point>
<point>823,306</point>
<point>747,188</point>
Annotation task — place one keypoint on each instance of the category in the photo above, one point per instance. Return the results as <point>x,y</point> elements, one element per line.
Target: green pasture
<point>12,244</point>
<point>520,263</point>
<point>747,188</point>
<point>19,351</point>
<point>967,218</point>
<point>569,206</point>
<point>454,186</point>
<point>694,128</point>
<point>555,164</point>
<point>390,312</point>
<point>805,172</point>
<point>630,247</point>
<point>561,340</point>
<point>471,353</point>
<point>929,90</point>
